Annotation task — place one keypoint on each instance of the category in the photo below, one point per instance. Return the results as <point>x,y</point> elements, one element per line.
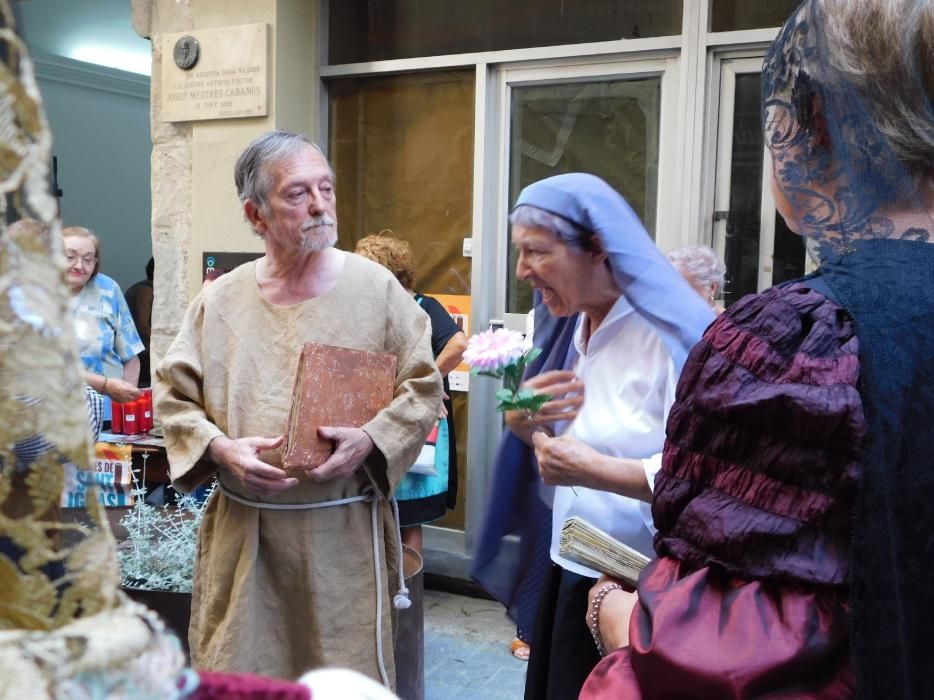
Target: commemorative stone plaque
<point>215,73</point>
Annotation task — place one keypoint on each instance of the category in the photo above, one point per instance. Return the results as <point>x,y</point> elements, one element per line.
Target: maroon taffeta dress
<point>754,508</point>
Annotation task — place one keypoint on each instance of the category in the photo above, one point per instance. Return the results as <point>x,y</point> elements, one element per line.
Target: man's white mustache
<point>318,222</point>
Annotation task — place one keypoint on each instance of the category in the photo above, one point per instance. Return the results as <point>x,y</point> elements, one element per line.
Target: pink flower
<point>493,350</point>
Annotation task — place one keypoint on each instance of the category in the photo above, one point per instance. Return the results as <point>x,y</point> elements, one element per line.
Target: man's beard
<point>318,233</point>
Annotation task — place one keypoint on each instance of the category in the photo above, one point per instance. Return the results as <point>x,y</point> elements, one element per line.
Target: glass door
<point>758,247</point>
<point>402,150</point>
<point>604,119</point>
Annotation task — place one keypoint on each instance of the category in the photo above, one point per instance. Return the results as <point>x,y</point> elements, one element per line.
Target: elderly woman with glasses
<point>108,340</point>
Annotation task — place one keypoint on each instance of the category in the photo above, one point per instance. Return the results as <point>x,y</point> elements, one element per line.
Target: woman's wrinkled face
<point>557,270</point>
<point>80,258</point>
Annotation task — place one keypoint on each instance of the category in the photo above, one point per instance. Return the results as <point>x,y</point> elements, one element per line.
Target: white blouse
<point>630,380</point>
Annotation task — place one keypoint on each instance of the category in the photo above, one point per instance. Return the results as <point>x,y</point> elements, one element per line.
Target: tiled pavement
<point>467,650</point>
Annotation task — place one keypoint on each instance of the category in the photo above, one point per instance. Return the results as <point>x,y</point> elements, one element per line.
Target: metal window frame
<point>687,170</point>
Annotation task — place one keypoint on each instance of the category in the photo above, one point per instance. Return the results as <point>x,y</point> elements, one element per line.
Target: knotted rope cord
<point>401,600</point>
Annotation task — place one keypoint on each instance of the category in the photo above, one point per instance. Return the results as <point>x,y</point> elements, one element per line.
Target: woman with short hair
<point>108,342</point>
<point>423,498</point>
<point>703,269</point>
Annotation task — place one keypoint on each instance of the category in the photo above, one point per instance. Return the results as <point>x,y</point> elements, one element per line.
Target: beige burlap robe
<point>282,592</point>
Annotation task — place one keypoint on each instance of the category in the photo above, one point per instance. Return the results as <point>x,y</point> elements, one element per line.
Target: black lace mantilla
<point>841,130</point>
<point>824,128</point>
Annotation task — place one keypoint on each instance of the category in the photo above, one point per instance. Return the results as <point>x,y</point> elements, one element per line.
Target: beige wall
<point>194,203</point>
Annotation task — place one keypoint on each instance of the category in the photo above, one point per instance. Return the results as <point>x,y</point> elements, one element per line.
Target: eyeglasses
<point>71,256</point>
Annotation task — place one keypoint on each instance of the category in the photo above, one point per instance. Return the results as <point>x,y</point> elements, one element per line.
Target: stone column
<point>171,181</point>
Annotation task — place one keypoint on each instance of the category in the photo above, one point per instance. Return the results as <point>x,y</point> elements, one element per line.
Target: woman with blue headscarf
<point>795,527</point>
<point>599,440</point>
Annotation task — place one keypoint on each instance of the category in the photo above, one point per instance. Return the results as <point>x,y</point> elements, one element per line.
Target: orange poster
<point>458,305</point>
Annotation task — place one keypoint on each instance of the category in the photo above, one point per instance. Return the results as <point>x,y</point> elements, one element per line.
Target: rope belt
<point>401,600</point>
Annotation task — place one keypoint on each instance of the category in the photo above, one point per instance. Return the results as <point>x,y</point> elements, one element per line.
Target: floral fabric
<point>107,337</point>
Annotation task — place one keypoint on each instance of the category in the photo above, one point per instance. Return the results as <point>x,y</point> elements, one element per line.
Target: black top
<point>888,288</point>
<point>443,327</point>
<point>131,294</point>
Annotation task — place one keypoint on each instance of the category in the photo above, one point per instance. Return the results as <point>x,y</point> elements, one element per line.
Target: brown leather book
<point>338,388</point>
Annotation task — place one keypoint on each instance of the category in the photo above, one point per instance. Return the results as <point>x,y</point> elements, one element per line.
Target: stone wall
<point>171,180</point>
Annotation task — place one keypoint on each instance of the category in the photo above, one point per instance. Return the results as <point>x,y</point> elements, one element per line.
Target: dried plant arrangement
<point>159,551</point>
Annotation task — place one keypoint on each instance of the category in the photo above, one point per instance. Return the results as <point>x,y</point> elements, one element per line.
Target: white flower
<point>493,350</point>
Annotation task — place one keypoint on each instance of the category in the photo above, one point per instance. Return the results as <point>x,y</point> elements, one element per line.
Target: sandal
<point>520,649</point>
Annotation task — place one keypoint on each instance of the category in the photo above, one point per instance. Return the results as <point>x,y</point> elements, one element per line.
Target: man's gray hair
<point>566,231</point>
<point>251,173</point>
<point>702,262</point>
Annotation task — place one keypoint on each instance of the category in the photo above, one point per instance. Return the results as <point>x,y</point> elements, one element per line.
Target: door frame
<point>491,232</point>
<point>729,67</point>
<point>509,78</point>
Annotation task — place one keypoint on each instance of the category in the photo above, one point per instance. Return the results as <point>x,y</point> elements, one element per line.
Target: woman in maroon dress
<point>793,508</point>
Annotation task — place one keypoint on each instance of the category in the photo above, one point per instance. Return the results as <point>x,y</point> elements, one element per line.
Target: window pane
<point>789,255</point>
<point>608,128</point>
<point>743,223</point>
<point>375,30</point>
<point>730,15</point>
<point>402,150</point>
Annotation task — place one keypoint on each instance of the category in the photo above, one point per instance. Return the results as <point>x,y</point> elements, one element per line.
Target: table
<point>122,464</point>
<point>149,459</point>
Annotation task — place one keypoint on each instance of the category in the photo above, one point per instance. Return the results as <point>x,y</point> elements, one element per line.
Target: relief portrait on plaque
<point>186,52</point>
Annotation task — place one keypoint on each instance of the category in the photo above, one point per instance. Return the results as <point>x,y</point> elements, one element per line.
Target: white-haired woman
<point>704,271</point>
<point>107,337</point>
<point>598,441</point>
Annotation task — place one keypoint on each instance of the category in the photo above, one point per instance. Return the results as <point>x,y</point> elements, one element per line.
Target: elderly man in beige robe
<point>289,576</point>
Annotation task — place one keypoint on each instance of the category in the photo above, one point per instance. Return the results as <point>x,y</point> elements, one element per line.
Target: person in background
<point>795,527</point>
<point>424,498</point>
<point>139,299</point>
<point>598,441</point>
<point>212,277</point>
<point>296,570</point>
<point>29,449</point>
<point>704,271</point>
<point>524,612</point>
<point>107,339</point>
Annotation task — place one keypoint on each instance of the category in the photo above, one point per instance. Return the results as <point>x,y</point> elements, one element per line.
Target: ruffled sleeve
<point>765,441</point>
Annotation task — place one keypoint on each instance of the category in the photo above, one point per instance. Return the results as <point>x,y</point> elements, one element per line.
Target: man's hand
<point>122,391</point>
<point>615,613</point>
<point>353,446</point>
<point>241,458</point>
<point>563,461</point>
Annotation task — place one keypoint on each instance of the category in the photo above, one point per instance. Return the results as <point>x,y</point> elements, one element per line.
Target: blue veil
<point>512,554</point>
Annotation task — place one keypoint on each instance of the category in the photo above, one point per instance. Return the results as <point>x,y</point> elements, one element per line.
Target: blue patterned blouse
<point>107,337</point>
